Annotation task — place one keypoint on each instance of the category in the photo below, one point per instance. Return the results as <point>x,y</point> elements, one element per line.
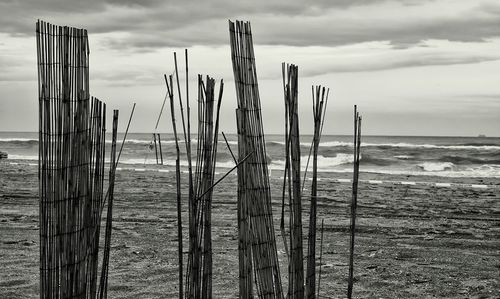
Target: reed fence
<point>292,178</point>
<point>257,242</point>
<point>72,128</point>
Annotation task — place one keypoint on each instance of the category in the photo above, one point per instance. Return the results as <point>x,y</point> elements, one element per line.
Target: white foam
<point>479,186</point>
<point>374,182</point>
<point>17,139</point>
<point>22,157</point>
<point>484,171</point>
<point>227,164</point>
<point>400,144</point>
<point>325,164</point>
<point>403,157</point>
<point>433,146</point>
<point>407,183</point>
<point>436,166</point>
<point>442,185</point>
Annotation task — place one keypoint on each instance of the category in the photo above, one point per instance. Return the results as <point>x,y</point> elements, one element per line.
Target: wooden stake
<point>357,147</point>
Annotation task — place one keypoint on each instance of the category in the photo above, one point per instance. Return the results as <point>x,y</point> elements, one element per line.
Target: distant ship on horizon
<point>481,135</point>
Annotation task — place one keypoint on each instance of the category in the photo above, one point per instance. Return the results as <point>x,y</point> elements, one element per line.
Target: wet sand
<point>413,241</point>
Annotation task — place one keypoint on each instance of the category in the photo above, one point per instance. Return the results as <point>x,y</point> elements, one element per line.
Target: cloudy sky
<point>415,67</point>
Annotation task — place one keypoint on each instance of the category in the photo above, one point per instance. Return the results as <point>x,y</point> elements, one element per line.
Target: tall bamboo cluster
<point>354,201</point>
<point>199,263</point>
<point>320,101</point>
<point>72,128</point>
<point>257,242</point>
<point>293,180</point>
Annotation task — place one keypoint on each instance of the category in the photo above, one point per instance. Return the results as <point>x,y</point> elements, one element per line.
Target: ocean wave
<point>483,171</point>
<point>404,157</point>
<point>469,160</point>
<point>372,160</point>
<point>322,144</point>
<point>22,157</point>
<point>433,146</point>
<point>474,146</point>
<point>324,163</point>
<point>338,164</point>
<point>436,166</point>
<point>17,139</point>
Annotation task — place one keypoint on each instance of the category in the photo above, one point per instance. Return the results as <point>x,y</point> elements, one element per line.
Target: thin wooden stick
<point>178,184</point>
<point>103,286</point>
<point>357,146</point>
<point>229,148</point>
<point>319,109</point>
<point>226,174</point>
<point>161,153</point>
<point>125,135</point>
<point>156,149</point>
<point>286,171</point>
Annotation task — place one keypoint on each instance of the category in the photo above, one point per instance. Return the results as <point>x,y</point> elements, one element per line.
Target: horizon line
<point>366,135</point>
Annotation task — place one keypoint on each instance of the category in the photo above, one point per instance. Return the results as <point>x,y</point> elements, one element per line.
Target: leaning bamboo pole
<point>178,184</point>
<point>320,99</point>
<point>103,286</point>
<point>257,242</point>
<point>354,201</point>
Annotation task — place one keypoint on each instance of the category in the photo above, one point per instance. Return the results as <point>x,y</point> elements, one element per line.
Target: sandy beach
<point>413,240</point>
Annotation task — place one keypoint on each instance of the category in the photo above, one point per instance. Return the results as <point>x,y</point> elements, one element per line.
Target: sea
<point>397,155</point>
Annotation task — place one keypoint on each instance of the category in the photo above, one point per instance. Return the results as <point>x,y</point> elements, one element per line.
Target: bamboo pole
<point>103,286</point>
<point>356,155</point>
<point>320,99</point>
<point>229,148</point>
<point>292,168</point>
<point>287,166</point>
<point>178,184</point>
<point>161,153</point>
<point>156,149</point>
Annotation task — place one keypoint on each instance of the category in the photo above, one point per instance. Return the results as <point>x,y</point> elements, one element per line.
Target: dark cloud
<point>408,60</point>
<point>155,24</point>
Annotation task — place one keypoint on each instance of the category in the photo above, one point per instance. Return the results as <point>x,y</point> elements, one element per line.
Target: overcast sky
<point>414,67</point>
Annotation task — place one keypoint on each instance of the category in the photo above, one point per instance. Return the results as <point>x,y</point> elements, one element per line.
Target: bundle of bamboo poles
<point>293,180</point>
<point>257,242</point>
<point>71,167</point>
<point>158,150</point>
<point>320,101</point>
<point>199,264</point>
<point>354,200</point>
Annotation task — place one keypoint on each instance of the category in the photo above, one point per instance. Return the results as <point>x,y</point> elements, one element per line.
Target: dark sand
<point>413,241</point>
